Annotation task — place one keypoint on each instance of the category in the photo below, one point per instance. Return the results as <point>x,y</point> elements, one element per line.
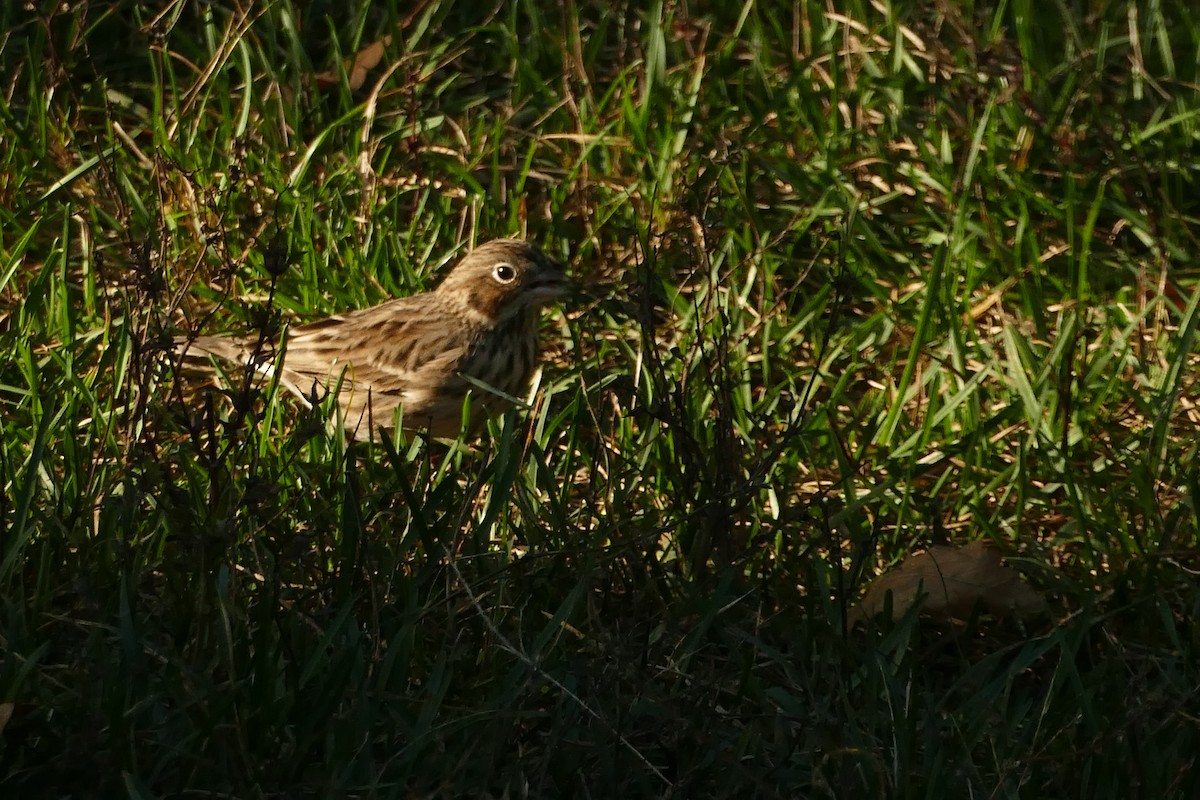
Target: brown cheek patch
<point>479,301</point>
<point>490,299</point>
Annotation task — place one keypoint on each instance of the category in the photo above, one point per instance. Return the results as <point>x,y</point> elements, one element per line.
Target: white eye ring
<point>504,272</point>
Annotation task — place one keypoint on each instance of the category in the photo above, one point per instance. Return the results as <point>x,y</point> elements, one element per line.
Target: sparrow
<point>413,360</point>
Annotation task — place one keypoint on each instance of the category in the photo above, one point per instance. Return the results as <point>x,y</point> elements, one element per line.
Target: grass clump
<point>859,280</point>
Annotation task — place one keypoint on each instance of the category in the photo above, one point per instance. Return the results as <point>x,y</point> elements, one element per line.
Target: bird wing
<point>396,348</point>
<point>405,352</point>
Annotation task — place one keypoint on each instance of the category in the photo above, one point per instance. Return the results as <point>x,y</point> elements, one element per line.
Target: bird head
<point>505,277</point>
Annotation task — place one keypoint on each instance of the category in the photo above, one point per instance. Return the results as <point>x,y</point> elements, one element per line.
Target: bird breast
<point>504,357</point>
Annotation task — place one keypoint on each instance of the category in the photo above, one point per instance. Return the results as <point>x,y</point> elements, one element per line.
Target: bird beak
<point>551,285</point>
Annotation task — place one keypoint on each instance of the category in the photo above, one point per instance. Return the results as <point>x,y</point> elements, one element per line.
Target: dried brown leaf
<point>947,582</point>
<point>357,68</point>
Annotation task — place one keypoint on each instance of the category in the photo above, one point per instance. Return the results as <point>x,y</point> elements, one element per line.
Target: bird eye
<point>504,273</point>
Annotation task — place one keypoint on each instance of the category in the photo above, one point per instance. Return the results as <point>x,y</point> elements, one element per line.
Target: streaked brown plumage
<point>421,354</point>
